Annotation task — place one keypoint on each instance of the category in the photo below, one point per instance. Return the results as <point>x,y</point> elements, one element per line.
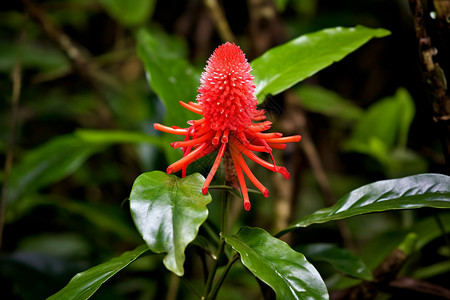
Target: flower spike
<point>231,122</point>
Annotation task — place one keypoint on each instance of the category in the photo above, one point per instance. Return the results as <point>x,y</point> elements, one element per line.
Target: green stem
<point>222,277</point>
<point>219,253</point>
<point>191,287</point>
<point>231,189</point>
<point>214,266</point>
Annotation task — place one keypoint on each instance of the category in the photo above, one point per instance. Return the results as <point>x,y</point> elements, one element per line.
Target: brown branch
<point>382,276</point>
<point>16,77</point>
<point>220,21</point>
<point>434,64</point>
<point>385,279</point>
<point>75,53</point>
<point>80,58</point>
<point>315,162</point>
<point>402,285</point>
<point>284,195</point>
<point>265,29</point>
<point>174,286</point>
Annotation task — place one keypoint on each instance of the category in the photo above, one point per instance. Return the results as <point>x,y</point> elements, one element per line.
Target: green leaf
<point>425,231</point>
<point>281,67</point>
<point>375,252</point>
<point>170,76</point>
<point>329,103</point>
<point>406,115</point>
<point>386,122</point>
<point>85,284</point>
<point>287,272</point>
<point>116,136</point>
<point>129,12</point>
<point>281,4</point>
<point>168,212</point>
<point>67,245</point>
<point>423,190</point>
<point>49,163</point>
<point>31,55</point>
<point>382,133</point>
<point>59,158</point>
<point>433,270</point>
<point>342,259</point>
<point>106,218</point>
<point>62,156</point>
<point>428,229</point>
<point>402,161</point>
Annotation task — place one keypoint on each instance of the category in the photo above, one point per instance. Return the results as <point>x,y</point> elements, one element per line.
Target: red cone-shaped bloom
<point>231,122</point>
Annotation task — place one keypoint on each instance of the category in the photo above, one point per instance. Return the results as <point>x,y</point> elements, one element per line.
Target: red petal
<point>214,168</point>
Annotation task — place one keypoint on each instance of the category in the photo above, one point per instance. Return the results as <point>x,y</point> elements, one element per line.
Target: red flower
<point>231,121</point>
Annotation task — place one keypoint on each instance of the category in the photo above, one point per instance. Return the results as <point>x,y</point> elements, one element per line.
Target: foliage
<point>423,190</point>
<point>170,221</point>
<point>85,284</point>
<point>85,187</point>
<point>274,262</point>
<point>276,70</point>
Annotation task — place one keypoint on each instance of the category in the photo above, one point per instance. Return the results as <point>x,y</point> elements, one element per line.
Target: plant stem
<point>213,270</point>
<point>224,274</point>
<point>224,216</point>
<point>232,189</point>
<point>191,287</point>
<point>219,253</point>
<point>174,285</point>
<point>16,76</point>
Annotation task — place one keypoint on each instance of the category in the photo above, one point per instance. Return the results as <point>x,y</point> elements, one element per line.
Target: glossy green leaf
<point>170,76</point>
<point>342,259</point>
<point>281,67</point>
<point>49,163</point>
<point>287,272</point>
<point>129,12</point>
<point>423,190</point>
<point>168,212</point>
<point>329,103</point>
<point>85,284</point>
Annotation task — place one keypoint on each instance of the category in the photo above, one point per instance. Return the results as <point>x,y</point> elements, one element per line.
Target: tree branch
<point>16,76</point>
<point>220,21</point>
<point>426,289</point>
<point>434,63</point>
<point>80,57</point>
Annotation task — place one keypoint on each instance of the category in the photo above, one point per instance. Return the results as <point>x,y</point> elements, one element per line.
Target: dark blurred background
<point>72,64</point>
